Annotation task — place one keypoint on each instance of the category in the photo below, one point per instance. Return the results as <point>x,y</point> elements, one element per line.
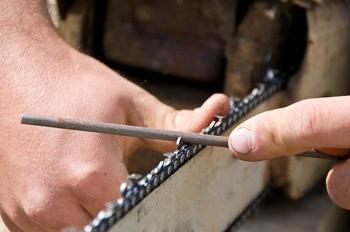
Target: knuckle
<point>45,212</point>
<point>39,204</point>
<point>37,211</point>
<point>265,124</point>
<point>307,119</point>
<point>91,179</point>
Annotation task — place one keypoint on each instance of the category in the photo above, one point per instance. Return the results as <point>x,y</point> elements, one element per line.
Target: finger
<point>315,123</point>
<point>191,120</point>
<point>148,111</point>
<point>199,118</point>
<point>338,184</point>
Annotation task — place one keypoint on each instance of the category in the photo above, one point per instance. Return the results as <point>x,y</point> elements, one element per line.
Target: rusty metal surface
<point>183,38</point>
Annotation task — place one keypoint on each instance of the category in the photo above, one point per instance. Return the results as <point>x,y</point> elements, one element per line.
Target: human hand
<point>322,124</point>
<point>51,178</point>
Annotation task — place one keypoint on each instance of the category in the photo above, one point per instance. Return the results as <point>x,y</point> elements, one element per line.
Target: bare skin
<point>322,124</point>
<point>51,178</point>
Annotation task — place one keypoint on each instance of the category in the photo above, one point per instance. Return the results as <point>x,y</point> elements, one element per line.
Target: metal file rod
<point>125,130</point>
<point>143,132</point>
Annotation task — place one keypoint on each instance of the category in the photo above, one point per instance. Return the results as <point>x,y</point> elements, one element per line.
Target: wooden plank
<point>178,38</point>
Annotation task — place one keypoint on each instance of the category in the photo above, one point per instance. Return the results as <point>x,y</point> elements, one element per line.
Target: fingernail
<point>241,140</point>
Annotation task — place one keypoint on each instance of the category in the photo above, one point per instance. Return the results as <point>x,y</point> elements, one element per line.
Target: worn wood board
<point>178,38</point>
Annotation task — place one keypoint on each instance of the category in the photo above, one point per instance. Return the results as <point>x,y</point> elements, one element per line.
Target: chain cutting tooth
<point>119,202</point>
<point>212,124</point>
<point>95,222</point>
<point>110,214</point>
<point>111,205</point>
<point>123,188</point>
<point>134,177</point>
<point>218,120</point>
<point>178,153</point>
<point>101,215</point>
<point>179,143</point>
<point>128,188</point>
<point>167,162</point>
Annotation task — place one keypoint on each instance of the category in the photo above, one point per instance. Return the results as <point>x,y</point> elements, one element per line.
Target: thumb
<point>314,123</point>
<point>147,111</point>
<point>191,120</point>
<point>199,118</point>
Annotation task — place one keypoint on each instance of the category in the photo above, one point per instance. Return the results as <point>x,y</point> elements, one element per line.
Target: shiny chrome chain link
<point>138,187</point>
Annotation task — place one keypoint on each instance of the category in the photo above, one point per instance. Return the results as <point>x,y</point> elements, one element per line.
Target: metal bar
<point>322,155</point>
<point>125,130</point>
<point>148,133</point>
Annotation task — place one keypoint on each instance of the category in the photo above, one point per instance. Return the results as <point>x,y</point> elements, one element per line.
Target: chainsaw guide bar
<point>137,187</point>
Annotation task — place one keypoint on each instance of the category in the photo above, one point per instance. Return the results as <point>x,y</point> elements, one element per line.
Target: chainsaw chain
<point>138,187</point>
